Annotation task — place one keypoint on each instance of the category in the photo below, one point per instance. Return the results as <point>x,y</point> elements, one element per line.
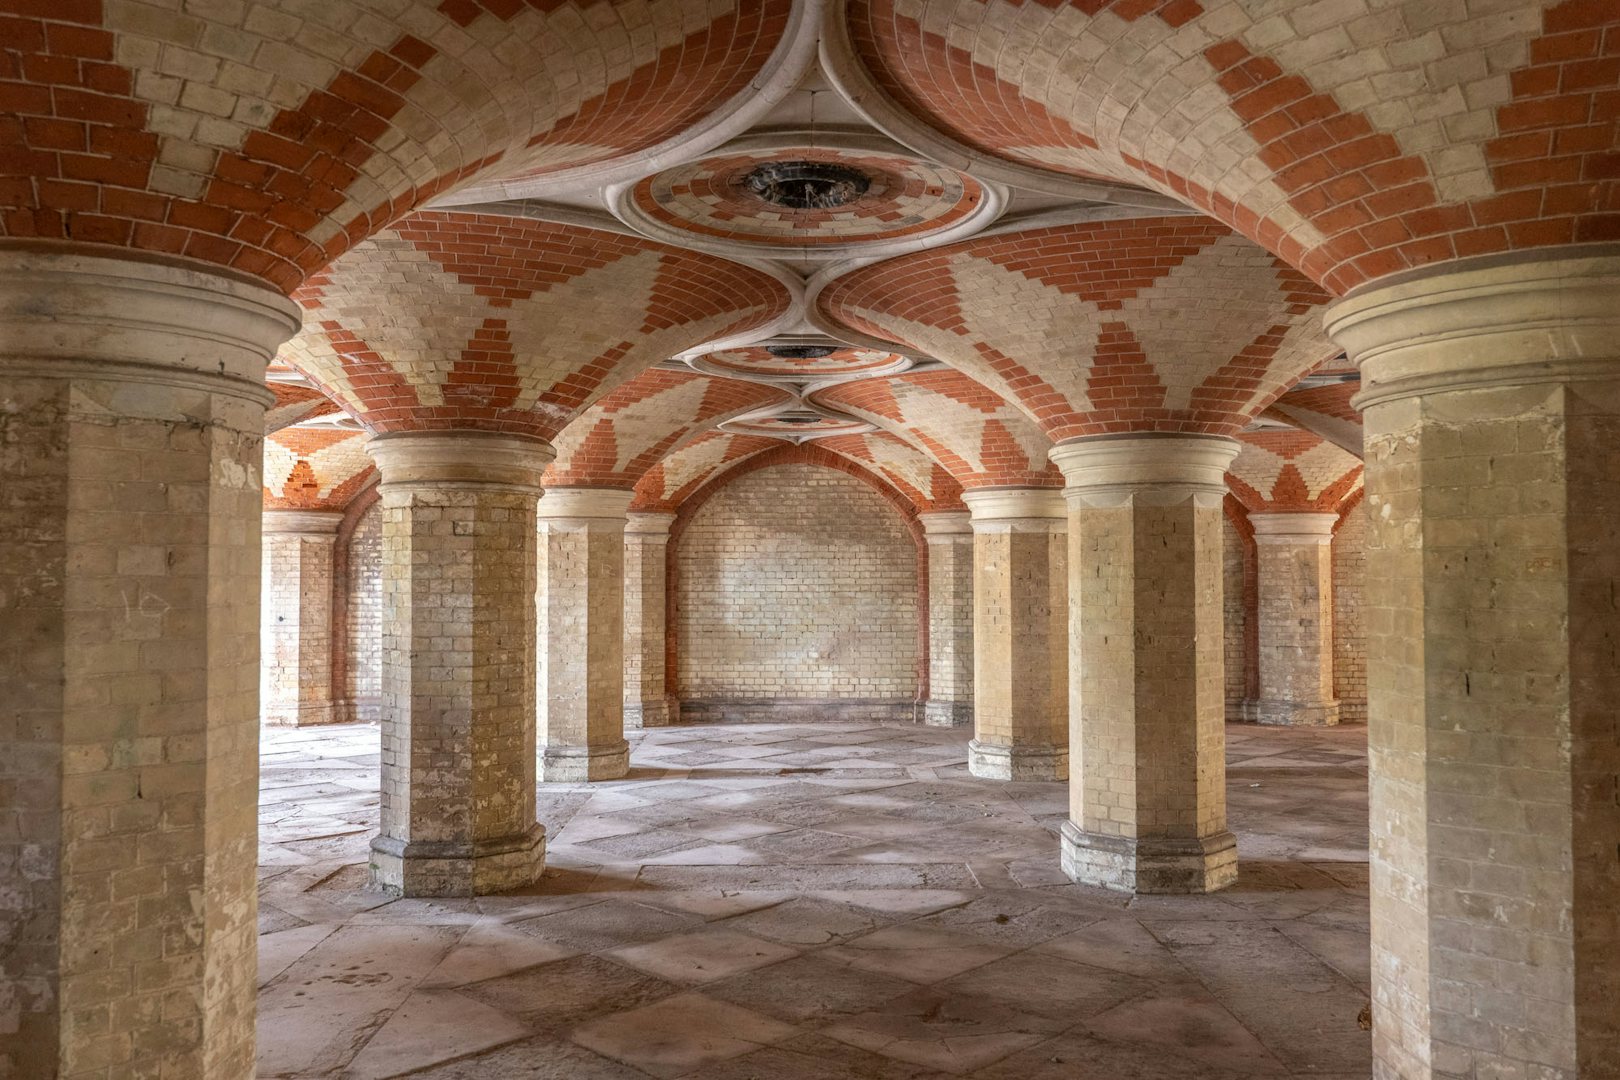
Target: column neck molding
<point>471,459</point>
<point>66,315</point>
<point>649,526</point>
<point>943,526</point>
<point>1478,324</point>
<point>318,524</point>
<point>1016,510</point>
<point>1286,528</point>
<point>585,504</point>
<point>1140,470</point>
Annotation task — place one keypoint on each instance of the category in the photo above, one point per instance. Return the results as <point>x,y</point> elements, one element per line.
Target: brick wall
<point>1349,641</point>
<point>1235,617</point>
<point>365,617</point>
<point>796,582</point>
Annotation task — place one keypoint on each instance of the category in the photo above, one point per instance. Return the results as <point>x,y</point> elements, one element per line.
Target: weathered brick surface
<point>647,699</point>
<point>1354,141</point>
<point>950,618</point>
<point>1349,624</point>
<point>315,468</point>
<point>361,686</point>
<point>1294,568</point>
<point>797,583</point>
<point>270,137</point>
<point>1238,577</point>
<point>296,646</point>
<point>1102,327</point>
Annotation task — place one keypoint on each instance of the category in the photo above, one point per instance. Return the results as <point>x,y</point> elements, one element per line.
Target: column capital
<point>1016,509</point>
<point>460,458</point>
<point>319,523</point>
<point>1481,323</point>
<point>600,504</point>
<point>137,320</point>
<point>940,526</point>
<point>649,525</point>
<point>1153,470</point>
<point>1293,528</point>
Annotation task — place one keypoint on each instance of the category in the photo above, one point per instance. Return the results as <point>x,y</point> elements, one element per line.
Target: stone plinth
<point>458,783</point>
<point>131,438</point>
<point>950,618</point>
<point>647,701</point>
<point>1295,562</point>
<point>1148,804</point>
<point>581,648</point>
<point>1020,634</point>
<point>1491,393</point>
<point>295,675</point>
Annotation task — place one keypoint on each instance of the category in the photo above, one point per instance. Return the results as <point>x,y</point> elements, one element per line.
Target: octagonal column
<point>581,613</point>
<point>1020,667</point>
<point>1147,805</point>
<point>950,618</point>
<point>647,701</point>
<point>458,779</point>
<point>1491,393</point>
<point>1295,562</point>
<point>131,442</point>
<point>296,621</point>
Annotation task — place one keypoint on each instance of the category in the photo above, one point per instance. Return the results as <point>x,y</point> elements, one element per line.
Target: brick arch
<point>237,144</point>
<point>803,454</point>
<point>1266,117</point>
<point>1102,327</point>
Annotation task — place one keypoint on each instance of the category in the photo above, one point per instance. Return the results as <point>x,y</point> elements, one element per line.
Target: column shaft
<point>581,614</point>
<point>458,778</point>
<point>296,620</point>
<point>1491,394</point>
<point>1148,803</point>
<point>647,700</point>
<point>1295,556</point>
<point>130,451</point>
<point>950,619</point>
<point>1020,670</point>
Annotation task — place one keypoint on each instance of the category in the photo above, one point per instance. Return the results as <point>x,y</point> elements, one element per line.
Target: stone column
<point>132,408</point>
<point>950,618</point>
<point>1295,560</point>
<point>1491,392</point>
<point>1147,807</point>
<point>1020,634</point>
<point>458,779</point>
<point>581,613</point>
<point>647,701</point>
<point>295,686</point>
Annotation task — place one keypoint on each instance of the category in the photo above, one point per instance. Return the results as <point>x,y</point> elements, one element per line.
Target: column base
<point>989,761</point>
<point>1291,713</point>
<point>302,715</point>
<point>579,764</point>
<point>456,868</point>
<point>1204,865</point>
<point>948,713</point>
<point>656,712</point>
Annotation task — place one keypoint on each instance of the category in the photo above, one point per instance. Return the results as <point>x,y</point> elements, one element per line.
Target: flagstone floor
<point>810,902</point>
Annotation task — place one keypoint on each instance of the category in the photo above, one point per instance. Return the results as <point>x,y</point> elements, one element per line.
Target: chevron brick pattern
<point>451,320</point>
<point>666,485</point>
<point>1147,324</point>
<point>1324,411</point>
<point>314,468</point>
<point>270,137</point>
<point>294,403</point>
<point>1278,471</point>
<point>919,478</point>
<point>1354,140</point>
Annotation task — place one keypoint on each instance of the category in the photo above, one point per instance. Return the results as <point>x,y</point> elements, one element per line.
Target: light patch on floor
<point>811,902</point>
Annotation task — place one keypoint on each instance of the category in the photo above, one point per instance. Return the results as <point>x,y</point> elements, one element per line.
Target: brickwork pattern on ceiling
<point>1323,410</point>
<point>1147,324</point>
<point>918,477</point>
<point>314,468</point>
<point>1283,470</point>
<point>294,403</point>
<point>1354,140</point>
<point>451,320</point>
<point>759,361</point>
<point>614,442</point>
<point>979,439</point>
<point>907,197</point>
<point>270,137</point>
<point>667,484</point>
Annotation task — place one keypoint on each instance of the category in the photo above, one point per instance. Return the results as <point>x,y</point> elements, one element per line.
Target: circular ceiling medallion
<point>795,424</point>
<point>802,361</point>
<point>806,200</point>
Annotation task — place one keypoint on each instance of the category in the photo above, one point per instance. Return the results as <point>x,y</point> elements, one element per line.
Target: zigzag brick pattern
<point>314,468</point>
<point>1279,471</point>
